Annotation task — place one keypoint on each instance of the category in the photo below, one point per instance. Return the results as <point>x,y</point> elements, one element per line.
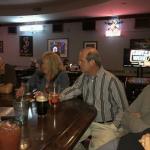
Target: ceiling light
<point>32,18</point>
<point>113,27</point>
<point>31,28</point>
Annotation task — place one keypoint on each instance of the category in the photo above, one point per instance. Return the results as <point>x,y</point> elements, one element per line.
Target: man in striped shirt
<point>103,90</point>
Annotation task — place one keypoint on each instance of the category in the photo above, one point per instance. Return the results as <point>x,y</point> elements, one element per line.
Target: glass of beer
<point>42,105</point>
<point>10,135</point>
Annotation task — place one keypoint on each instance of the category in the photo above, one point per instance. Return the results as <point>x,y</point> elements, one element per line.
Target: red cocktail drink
<point>10,135</point>
<point>53,98</point>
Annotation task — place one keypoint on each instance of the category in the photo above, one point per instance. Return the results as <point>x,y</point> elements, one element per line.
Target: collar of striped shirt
<point>99,73</point>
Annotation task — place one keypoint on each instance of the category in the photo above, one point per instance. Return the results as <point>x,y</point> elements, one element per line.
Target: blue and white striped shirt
<point>104,91</point>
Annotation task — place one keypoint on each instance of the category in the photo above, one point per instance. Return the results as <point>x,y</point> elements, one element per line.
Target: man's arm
<point>138,111</point>
<point>120,99</point>
<point>6,88</point>
<point>74,90</point>
<point>134,122</point>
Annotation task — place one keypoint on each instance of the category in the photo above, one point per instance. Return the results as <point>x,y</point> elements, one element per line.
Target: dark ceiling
<point>12,11</point>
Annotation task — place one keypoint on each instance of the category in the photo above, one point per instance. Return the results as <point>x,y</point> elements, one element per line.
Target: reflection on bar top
<point>6,111</point>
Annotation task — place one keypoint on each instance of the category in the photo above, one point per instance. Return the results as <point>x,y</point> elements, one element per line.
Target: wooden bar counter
<point>61,128</point>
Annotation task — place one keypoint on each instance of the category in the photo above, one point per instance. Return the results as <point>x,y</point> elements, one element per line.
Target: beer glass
<point>42,105</point>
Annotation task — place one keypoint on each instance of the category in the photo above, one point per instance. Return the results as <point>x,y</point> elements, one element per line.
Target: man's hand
<point>145,141</point>
<point>61,96</point>
<point>38,93</point>
<point>136,114</point>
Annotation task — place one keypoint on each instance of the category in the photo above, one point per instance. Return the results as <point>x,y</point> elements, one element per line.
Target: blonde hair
<point>54,62</point>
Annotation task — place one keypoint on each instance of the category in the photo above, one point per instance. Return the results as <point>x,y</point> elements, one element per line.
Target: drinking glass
<point>42,105</point>
<point>21,110</point>
<point>54,94</point>
<point>10,135</point>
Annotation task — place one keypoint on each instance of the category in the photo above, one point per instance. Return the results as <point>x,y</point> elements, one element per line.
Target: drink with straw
<point>54,96</point>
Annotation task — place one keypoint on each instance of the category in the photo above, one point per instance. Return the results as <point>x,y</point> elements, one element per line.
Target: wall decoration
<point>92,44</point>
<point>58,45</point>
<point>26,46</point>
<point>1,47</point>
<point>140,43</point>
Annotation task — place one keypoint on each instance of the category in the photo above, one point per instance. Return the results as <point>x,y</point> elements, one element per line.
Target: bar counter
<point>61,128</point>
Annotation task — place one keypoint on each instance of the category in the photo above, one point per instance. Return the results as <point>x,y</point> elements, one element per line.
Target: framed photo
<point>92,44</point>
<point>140,43</point>
<point>26,46</point>
<point>58,45</point>
<point>1,47</point>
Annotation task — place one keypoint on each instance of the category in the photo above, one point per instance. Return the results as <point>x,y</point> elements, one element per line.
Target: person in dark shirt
<point>7,77</point>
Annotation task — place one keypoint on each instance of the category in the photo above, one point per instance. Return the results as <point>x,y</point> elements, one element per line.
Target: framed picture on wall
<point>26,46</point>
<point>1,46</point>
<point>58,45</point>
<point>92,44</point>
<point>140,43</point>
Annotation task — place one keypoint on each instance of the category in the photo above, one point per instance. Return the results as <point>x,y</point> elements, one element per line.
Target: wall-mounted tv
<point>136,58</point>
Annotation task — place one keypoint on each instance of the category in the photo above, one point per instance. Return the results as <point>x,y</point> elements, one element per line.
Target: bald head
<point>92,54</point>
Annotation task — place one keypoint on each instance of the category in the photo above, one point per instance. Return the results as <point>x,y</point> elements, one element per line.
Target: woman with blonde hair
<point>51,72</point>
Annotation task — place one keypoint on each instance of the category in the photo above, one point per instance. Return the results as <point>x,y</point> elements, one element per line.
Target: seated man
<point>103,90</point>
<point>137,121</point>
<point>7,77</point>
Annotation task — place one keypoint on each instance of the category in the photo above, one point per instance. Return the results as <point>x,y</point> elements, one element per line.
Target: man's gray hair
<point>94,55</point>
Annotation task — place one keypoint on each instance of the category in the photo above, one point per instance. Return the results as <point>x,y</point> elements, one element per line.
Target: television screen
<point>137,57</point>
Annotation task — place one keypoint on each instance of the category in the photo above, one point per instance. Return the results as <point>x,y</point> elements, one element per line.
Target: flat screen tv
<point>136,58</point>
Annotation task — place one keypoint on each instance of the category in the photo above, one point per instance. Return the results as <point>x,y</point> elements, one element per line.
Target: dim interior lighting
<point>31,28</point>
<point>28,18</point>
<point>113,27</point>
<point>113,33</point>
